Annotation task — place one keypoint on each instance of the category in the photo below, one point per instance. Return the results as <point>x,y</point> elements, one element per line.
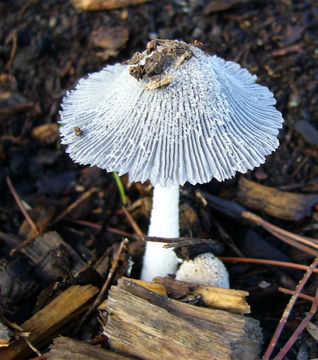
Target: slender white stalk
<point>164,222</point>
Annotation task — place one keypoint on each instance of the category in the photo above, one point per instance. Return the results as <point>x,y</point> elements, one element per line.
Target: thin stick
<point>14,38</point>
<point>267,262</point>
<point>71,207</point>
<point>23,244</point>
<point>21,206</point>
<point>291,292</point>
<point>100,227</point>
<point>103,290</point>
<point>299,329</point>
<point>237,211</point>
<point>303,239</point>
<point>85,223</point>
<point>132,222</point>
<point>176,242</point>
<point>288,308</point>
<point>286,236</point>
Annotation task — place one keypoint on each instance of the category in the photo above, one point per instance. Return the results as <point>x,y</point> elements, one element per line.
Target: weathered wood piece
<point>280,204</point>
<point>66,348</point>
<point>152,286</point>
<point>148,325</point>
<point>14,283</point>
<point>47,250</point>
<point>105,4</point>
<point>211,296</point>
<point>48,322</point>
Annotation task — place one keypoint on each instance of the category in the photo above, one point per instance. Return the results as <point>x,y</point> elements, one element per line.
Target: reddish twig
<point>291,292</point>
<point>299,329</point>
<point>21,206</point>
<point>103,290</point>
<point>288,309</point>
<point>267,262</point>
<point>84,223</point>
<point>23,244</point>
<point>234,210</point>
<point>100,227</point>
<point>132,222</point>
<point>297,241</point>
<point>71,207</point>
<point>176,242</point>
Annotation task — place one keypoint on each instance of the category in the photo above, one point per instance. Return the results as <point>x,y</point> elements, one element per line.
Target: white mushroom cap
<point>201,118</point>
<point>204,269</point>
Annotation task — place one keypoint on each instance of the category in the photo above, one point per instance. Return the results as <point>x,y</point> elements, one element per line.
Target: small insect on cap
<point>171,114</point>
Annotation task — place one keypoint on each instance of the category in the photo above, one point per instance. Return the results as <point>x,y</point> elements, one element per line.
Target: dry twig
<point>132,222</point>
<point>21,206</point>
<point>71,207</point>
<point>288,309</point>
<point>267,262</point>
<point>291,292</point>
<point>299,329</point>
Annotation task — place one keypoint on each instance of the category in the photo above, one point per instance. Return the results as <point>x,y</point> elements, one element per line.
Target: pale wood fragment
<point>148,325</point>
<point>65,348</point>
<point>211,296</point>
<point>156,287</point>
<point>46,323</point>
<point>227,299</point>
<point>105,4</point>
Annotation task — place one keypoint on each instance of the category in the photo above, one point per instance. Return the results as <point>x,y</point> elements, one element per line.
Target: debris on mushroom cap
<point>204,269</point>
<point>171,114</point>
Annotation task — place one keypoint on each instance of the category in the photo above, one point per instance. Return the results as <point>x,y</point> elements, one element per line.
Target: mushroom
<point>170,114</point>
<point>204,269</point>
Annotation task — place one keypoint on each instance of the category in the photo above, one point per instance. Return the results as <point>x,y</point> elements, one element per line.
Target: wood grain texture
<point>47,323</point>
<point>148,325</point>
<point>65,348</point>
<point>211,296</point>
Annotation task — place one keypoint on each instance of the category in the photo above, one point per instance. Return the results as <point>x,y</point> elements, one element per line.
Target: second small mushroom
<point>170,114</point>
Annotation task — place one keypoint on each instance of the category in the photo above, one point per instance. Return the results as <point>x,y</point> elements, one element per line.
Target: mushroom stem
<point>164,222</point>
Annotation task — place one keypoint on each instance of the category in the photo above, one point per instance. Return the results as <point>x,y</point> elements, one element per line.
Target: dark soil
<point>47,46</point>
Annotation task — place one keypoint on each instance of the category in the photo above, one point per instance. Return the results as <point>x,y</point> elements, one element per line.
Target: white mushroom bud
<point>171,114</point>
<point>204,269</point>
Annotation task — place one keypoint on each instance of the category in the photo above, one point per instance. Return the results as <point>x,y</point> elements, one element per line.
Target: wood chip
<point>47,323</point>
<point>66,348</point>
<point>158,82</point>
<point>156,287</point>
<point>46,134</point>
<point>94,5</point>
<point>214,297</point>
<point>48,253</point>
<point>280,204</point>
<point>112,40</point>
<point>148,325</point>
